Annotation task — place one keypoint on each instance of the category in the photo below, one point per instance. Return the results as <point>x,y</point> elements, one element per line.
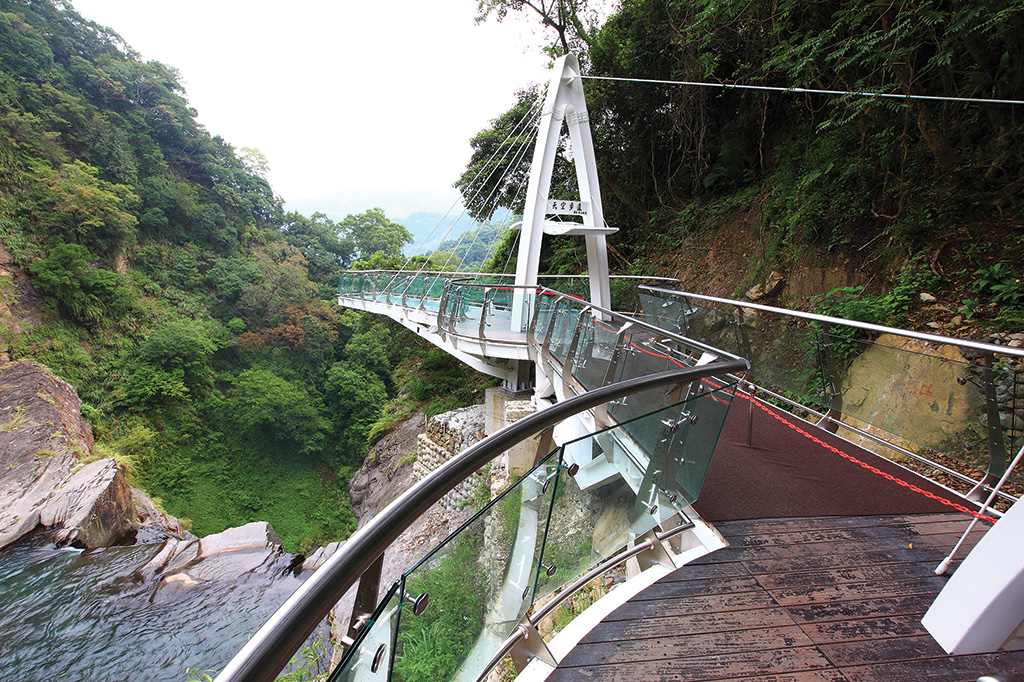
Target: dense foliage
<point>193,316</point>
<point>868,180</point>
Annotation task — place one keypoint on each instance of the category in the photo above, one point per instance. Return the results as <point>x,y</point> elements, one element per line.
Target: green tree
<point>573,21</point>
<point>67,276</point>
<point>321,241</point>
<point>269,407</point>
<point>76,204</point>
<point>354,396</point>
<point>371,233</point>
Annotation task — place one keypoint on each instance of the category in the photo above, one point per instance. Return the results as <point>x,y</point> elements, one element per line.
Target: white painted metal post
<point>564,101</point>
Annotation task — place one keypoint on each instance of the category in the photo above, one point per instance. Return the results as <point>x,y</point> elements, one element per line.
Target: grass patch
<point>18,420</point>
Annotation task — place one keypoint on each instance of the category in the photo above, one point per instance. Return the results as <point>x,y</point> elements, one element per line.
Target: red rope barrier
<point>865,465</point>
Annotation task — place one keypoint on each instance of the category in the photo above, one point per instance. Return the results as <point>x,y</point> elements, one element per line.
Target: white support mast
<point>564,102</point>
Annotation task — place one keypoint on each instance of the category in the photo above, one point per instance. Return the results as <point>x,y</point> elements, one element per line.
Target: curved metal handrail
<point>856,324</point>
<point>270,649</point>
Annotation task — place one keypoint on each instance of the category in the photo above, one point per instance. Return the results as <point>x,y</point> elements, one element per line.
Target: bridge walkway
<point>821,599</point>
<point>825,578</point>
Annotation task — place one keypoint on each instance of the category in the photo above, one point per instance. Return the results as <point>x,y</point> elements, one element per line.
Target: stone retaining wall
<point>447,435</point>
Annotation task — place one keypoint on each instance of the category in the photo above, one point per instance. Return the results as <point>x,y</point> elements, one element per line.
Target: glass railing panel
<point>625,295</point>
<point>498,322</point>
<point>933,402</point>
<point>545,303</point>
<point>413,290</point>
<point>679,466</point>
<point>1011,415</point>
<point>468,308</point>
<point>785,358</point>
<point>647,434</point>
<point>615,495</point>
<point>643,354</point>
<point>665,311</point>
<point>595,352</point>
<point>434,291</point>
<point>576,287</point>
<point>394,285</point>
<point>478,585</point>
<point>713,327</point>
<point>369,659</point>
<point>566,318</point>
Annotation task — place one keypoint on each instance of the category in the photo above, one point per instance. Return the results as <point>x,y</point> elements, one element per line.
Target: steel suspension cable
<point>529,121</point>
<point>812,91</point>
<point>520,154</point>
<point>515,132</point>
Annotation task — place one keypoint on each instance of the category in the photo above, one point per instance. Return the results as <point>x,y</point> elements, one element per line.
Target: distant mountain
<point>430,229</point>
<point>435,230</point>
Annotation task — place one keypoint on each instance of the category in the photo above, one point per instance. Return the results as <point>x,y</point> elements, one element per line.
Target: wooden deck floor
<point>792,600</point>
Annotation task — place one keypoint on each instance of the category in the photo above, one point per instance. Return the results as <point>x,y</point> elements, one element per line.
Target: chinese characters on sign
<point>567,207</point>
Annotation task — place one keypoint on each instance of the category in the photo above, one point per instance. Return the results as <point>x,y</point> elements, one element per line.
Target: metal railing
<point>952,405</point>
<point>687,432</point>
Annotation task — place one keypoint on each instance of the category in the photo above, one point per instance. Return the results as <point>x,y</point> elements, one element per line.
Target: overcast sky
<point>372,102</point>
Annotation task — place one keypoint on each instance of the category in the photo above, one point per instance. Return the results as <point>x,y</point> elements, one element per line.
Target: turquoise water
<point>69,615</point>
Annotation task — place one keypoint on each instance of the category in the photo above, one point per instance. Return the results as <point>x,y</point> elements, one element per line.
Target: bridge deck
<point>833,592</point>
<point>803,600</point>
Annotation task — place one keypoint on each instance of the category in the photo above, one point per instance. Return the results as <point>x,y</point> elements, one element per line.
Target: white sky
<point>370,102</point>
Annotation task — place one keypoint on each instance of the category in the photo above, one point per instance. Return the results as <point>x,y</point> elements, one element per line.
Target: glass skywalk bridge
<point>633,384</point>
<point>631,445</point>
<point>953,407</point>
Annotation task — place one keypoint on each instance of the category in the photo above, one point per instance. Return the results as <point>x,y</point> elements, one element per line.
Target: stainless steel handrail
<point>996,446</point>
<point>866,326</point>
<point>273,645</point>
<point>661,333</point>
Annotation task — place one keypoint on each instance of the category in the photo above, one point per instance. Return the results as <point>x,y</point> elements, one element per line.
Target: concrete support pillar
<point>503,407</point>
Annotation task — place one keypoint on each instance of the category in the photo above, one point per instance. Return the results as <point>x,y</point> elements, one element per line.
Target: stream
<point>68,614</point>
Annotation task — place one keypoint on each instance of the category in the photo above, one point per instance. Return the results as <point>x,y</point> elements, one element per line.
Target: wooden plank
<point>854,574</point>
<point>600,675</point>
<point>702,668</point>
<point>882,650</point>
<point>948,669</point>
<point>855,610</point>
<point>685,646</point>
<point>658,626</point>
<point>827,562</point>
<point>810,536</point>
<point>774,526</point>
<point>691,605</point>
<point>870,628</point>
<point>852,547</point>
<point>729,569</point>
<point>855,591</point>
<point>803,676</point>
<point>694,588</point>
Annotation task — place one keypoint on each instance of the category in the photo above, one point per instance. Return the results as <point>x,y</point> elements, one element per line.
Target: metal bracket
<point>996,446</point>
<point>657,555</point>
<point>366,597</point>
<point>833,390</point>
<point>529,647</point>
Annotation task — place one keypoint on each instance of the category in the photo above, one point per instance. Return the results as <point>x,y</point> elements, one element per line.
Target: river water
<point>70,615</point>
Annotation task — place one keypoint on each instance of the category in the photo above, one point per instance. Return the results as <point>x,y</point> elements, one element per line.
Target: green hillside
<point>721,185</point>
<point>150,264</point>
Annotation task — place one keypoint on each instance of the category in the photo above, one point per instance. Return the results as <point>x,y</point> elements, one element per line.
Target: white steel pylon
<point>564,102</point>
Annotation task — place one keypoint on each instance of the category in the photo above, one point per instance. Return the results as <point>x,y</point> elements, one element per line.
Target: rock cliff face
<point>43,483</point>
<point>42,438</point>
